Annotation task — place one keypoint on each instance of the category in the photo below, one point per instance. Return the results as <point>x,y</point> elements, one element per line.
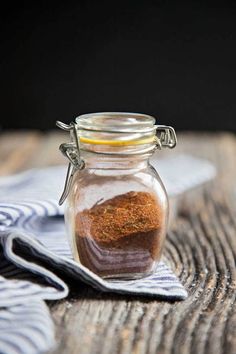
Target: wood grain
<point>201,248</point>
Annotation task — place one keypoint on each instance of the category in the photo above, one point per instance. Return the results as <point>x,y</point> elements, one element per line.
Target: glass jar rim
<point>116,121</point>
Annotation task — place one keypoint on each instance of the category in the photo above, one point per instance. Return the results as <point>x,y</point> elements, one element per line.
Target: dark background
<point>175,60</point>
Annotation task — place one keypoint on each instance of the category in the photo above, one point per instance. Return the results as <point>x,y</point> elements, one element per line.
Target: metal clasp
<point>70,150</point>
<point>167,136</point>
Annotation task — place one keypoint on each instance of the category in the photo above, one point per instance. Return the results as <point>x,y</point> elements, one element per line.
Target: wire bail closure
<point>71,150</point>
<point>167,137</point>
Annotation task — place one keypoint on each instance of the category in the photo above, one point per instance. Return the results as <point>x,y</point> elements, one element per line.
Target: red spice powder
<point>123,235</point>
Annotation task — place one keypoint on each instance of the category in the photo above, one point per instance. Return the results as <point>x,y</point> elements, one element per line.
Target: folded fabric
<point>35,257</point>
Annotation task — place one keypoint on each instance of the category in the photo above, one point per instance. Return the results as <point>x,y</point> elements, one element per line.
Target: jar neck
<point>115,162</point>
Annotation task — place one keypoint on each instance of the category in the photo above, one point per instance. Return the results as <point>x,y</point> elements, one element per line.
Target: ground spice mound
<point>123,235</point>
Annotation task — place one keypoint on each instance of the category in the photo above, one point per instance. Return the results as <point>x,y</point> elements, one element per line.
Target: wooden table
<point>201,248</point>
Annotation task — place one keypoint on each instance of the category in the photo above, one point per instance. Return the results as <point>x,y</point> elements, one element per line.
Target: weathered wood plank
<point>24,150</point>
<point>17,150</point>
<point>201,248</point>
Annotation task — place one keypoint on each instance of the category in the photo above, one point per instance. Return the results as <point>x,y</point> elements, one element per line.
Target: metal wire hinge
<point>165,137</point>
<point>70,150</point>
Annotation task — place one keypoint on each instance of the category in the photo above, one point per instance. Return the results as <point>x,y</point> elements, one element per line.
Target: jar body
<point>116,218</point>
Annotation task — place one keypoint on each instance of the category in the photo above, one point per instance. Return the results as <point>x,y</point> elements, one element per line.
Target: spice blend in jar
<point>123,235</point>
<point>117,208</point>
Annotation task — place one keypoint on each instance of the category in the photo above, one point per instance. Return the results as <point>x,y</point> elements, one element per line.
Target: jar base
<point>131,276</point>
<point>122,276</point>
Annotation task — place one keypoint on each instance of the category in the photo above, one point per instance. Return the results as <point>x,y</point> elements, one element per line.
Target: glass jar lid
<point>112,133</point>
<point>116,129</point>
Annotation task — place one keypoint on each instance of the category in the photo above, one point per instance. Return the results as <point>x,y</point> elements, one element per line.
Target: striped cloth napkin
<point>35,256</point>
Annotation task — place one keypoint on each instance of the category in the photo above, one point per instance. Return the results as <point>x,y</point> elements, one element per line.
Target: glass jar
<point>117,207</point>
